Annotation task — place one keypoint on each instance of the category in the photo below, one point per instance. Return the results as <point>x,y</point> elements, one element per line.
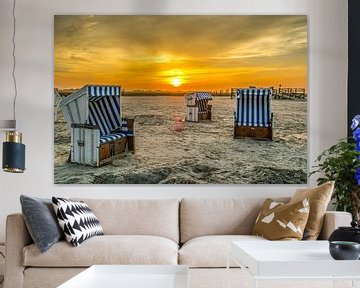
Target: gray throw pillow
<point>41,221</point>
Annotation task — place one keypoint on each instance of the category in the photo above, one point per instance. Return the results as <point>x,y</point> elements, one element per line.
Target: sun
<point>176,81</point>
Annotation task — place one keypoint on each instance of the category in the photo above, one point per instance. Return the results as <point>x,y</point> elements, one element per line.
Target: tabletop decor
<point>346,233</point>
<point>344,250</point>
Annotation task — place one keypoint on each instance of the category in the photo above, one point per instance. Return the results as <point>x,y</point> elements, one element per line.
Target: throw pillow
<point>319,198</point>
<point>77,220</point>
<point>279,221</point>
<point>41,222</point>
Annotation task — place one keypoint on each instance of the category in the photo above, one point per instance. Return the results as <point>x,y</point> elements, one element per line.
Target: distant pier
<point>281,93</point>
<point>290,94</point>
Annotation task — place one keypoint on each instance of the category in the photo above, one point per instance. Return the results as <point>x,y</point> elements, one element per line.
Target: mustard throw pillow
<point>319,198</point>
<point>279,221</point>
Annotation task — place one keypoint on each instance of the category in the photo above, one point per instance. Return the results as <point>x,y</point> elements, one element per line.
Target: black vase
<point>343,250</point>
<point>350,234</point>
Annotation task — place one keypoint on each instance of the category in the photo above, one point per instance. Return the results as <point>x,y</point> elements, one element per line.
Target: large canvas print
<point>180,99</point>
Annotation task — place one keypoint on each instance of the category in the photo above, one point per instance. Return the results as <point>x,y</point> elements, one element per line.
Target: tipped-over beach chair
<point>253,116</point>
<point>197,107</point>
<point>98,133</point>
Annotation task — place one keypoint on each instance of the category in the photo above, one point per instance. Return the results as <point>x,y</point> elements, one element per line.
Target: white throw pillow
<point>76,220</point>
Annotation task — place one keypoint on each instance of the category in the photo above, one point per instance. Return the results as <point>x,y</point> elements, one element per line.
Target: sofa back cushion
<point>200,217</point>
<point>159,217</point>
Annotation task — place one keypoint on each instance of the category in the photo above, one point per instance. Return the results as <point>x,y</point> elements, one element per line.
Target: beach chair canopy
<point>199,99</point>
<point>199,96</point>
<point>253,107</point>
<point>96,105</point>
<point>203,96</point>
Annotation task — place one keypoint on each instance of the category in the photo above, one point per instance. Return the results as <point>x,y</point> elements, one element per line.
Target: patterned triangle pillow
<point>279,221</point>
<point>77,220</point>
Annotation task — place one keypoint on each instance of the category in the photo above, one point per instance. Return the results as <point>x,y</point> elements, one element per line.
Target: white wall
<point>327,89</point>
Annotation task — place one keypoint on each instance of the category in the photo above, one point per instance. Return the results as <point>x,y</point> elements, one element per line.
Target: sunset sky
<point>180,52</point>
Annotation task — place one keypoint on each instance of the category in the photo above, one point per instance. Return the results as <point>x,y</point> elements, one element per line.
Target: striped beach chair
<point>197,107</point>
<point>253,116</point>
<point>98,133</point>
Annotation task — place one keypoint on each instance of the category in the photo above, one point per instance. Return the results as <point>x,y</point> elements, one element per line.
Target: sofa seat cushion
<point>211,251</point>
<point>159,217</point>
<point>206,217</point>
<point>107,249</point>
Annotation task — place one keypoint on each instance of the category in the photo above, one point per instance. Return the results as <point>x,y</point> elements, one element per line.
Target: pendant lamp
<point>13,149</point>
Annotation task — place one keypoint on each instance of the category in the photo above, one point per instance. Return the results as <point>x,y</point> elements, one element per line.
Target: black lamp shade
<point>13,157</point>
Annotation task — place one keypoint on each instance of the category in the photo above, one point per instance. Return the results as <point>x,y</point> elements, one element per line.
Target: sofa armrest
<point>17,237</point>
<point>333,220</point>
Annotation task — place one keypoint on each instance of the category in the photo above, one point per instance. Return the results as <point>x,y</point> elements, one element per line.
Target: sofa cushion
<point>319,198</point>
<point>279,221</point>
<point>211,251</point>
<point>77,220</point>
<point>41,221</point>
<point>200,217</point>
<point>107,249</point>
<point>158,217</point>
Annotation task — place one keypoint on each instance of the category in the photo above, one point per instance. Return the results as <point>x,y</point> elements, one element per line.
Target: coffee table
<point>292,260</point>
<point>131,276</point>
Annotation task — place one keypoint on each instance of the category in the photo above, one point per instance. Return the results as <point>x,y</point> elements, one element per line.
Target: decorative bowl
<point>344,250</point>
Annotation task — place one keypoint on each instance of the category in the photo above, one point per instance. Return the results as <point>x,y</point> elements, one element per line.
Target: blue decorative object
<point>355,122</point>
<point>356,134</point>
<point>355,126</point>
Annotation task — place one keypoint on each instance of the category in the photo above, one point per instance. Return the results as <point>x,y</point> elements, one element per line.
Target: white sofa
<point>194,232</point>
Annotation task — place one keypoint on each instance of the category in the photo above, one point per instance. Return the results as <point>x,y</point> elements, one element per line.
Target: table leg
<point>355,283</point>
<point>228,270</point>
<point>255,283</point>
<point>337,283</point>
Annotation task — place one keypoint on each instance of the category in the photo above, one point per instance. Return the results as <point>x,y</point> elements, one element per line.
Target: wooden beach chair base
<point>110,151</point>
<point>131,144</point>
<point>259,133</point>
<point>86,149</point>
<point>113,148</point>
<point>204,116</point>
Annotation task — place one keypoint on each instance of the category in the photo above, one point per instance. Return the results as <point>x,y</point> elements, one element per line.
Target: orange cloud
<point>201,52</point>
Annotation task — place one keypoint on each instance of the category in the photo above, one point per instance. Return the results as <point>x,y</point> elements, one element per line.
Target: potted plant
<point>341,163</point>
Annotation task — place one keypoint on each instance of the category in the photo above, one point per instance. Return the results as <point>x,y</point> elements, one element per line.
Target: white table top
<point>291,259</point>
<point>131,276</point>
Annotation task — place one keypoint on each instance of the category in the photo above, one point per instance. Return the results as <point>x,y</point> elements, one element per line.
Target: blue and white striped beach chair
<point>253,116</point>
<point>98,133</point>
<point>197,107</point>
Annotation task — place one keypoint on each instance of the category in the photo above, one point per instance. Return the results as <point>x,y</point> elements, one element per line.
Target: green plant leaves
<point>339,163</point>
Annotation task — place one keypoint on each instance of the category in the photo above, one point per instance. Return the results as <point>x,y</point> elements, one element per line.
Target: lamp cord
<point>14,60</point>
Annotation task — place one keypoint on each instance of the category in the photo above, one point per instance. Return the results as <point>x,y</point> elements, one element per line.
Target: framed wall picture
<point>201,99</point>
